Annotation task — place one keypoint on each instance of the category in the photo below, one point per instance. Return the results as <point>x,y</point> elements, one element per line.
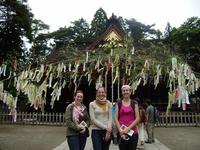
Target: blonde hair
<point>126,86</point>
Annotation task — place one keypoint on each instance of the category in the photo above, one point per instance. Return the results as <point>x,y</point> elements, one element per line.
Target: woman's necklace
<point>126,102</point>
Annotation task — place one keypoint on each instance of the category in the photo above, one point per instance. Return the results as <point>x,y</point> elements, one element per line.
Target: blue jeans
<point>98,141</point>
<point>76,142</point>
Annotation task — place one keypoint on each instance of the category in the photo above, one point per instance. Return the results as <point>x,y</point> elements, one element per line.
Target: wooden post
<point>170,119</point>
<point>46,115</point>
<point>185,118</point>
<point>56,119</point>
<point>197,119</point>
<point>106,73</point>
<point>167,119</point>
<point>193,123</point>
<point>174,119</point>
<point>112,82</point>
<point>118,86</point>
<point>40,118</point>
<point>60,118</point>
<point>43,116</point>
<point>178,119</point>
<point>161,119</point>
<point>190,119</point>
<point>63,116</point>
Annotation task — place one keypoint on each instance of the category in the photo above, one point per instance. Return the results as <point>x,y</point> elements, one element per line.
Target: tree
<point>63,37</point>
<point>98,24</point>
<point>15,24</point>
<point>167,33</point>
<point>167,38</point>
<point>123,24</point>
<point>40,46</point>
<point>38,27</point>
<point>139,31</point>
<point>80,29</point>
<point>187,38</point>
<point>75,35</point>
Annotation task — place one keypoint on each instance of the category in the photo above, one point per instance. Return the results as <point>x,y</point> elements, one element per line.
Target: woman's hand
<point>82,130</point>
<point>107,136</point>
<point>109,129</point>
<point>126,130</point>
<point>125,137</point>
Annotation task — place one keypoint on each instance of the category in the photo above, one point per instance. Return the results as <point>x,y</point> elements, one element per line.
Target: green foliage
<point>76,35</point>
<point>40,47</point>
<point>15,24</point>
<point>98,24</point>
<point>167,33</point>
<point>38,27</point>
<point>80,30</point>
<point>187,38</point>
<point>62,37</point>
<point>139,31</point>
<point>123,24</point>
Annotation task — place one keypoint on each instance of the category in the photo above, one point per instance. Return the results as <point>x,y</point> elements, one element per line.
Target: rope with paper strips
<point>132,68</point>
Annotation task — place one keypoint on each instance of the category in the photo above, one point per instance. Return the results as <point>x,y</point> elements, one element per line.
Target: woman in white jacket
<point>101,119</point>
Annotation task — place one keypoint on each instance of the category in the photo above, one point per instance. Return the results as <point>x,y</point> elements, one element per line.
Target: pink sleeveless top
<point>127,116</point>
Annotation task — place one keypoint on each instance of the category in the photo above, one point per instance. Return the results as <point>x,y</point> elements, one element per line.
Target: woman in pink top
<point>127,119</point>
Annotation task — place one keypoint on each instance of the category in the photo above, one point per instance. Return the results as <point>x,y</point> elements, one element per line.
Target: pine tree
<point>98,24</point>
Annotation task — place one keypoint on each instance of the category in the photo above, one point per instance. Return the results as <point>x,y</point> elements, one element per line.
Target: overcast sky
<point>59,13</point>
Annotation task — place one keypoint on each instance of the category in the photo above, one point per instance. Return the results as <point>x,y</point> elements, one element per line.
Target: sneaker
<point>115,142</point>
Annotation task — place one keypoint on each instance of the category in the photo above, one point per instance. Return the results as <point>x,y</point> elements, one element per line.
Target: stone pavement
<point>154,146</point>
<point>157,145</point>
<point>32,137</point>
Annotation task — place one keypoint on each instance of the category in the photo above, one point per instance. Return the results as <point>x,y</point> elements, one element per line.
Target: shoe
<point>153,141</point>
<point>148,142</point>
<point>142,143</point>
<point>115,142</point>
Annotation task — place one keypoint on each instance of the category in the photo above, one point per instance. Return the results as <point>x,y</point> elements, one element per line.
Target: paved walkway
<point>31,137</point>
<point>155,146</point>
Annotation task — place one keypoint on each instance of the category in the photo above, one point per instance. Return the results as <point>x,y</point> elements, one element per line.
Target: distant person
<point>150,122</point>
<point>142,123</point>
<point>77,120</point>
<point>127,119</point>
<point>101,118</point>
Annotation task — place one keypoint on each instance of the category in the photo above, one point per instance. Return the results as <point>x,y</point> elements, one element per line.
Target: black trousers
<point>130,144</point>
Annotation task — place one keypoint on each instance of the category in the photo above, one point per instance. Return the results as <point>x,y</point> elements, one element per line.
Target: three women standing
<point>126,120</point>
<point>101,117</point>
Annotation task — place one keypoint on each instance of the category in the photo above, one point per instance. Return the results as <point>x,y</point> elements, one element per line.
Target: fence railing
<point>33,118</point>
<point>173,119</point>
<point>177,119</point>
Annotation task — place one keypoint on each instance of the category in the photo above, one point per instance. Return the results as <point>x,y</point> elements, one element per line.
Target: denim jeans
<point>98,140</point>
<point>76,142</point>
